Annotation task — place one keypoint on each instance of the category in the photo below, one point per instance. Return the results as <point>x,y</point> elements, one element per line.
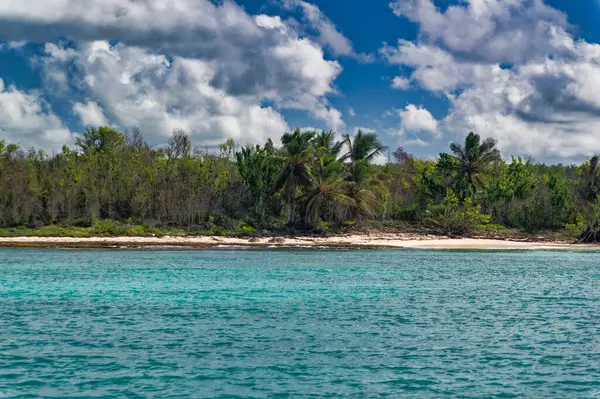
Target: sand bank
<point>378,240</point>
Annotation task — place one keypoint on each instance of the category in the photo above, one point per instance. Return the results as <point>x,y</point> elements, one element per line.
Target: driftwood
<point>589,236</point>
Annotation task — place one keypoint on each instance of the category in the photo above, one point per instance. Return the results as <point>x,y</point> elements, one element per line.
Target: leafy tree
<point>258,171</point>
<point>590,180</point>
<point>295,156</point>
<point>100,139</point>
<point>362,147</point>
<point>362,150</point>
<point>456,218</point>
<point>327,191</point>
<point>325,144</point>
<point>111,180</point>
<point>473,160</point>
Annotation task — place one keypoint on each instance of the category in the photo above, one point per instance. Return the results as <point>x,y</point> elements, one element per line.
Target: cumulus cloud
<point>510,70</point>
<point>183,27</point>
<point>25,119</point>
<point>90,113</point>
<point>133,87</point>
<point>194,64</point>
<point>12,45</point>
<point>400,83</point>
<point>539,109</point>
<point>433,68</point>
<point>417,119</point>
<point>327,33</point>
<point>489,30</point>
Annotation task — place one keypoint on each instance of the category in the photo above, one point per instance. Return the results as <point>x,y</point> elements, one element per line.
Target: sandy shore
<point>378,240</point>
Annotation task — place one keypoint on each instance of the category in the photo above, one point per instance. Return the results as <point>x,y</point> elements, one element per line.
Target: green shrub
<point>246,230</point>
<point>455,218</point>
<point>322,227</point>
<point>109,228</point>
<point>575,229</point>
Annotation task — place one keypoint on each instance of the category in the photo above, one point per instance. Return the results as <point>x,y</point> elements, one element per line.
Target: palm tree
<point>325,144</point>
<point>328,188</point>
<point>474,160</point>
<point>296,155</point>
<point>363,147</point>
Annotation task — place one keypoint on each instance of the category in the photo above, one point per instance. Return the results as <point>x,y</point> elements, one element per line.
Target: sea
<point>299,323</point>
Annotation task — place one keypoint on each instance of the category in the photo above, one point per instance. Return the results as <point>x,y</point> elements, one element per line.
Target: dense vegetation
<point>114,183</point>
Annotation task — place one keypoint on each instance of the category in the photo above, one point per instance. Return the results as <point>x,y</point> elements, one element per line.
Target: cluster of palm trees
<point>329,182</point>
<point>321,178</point>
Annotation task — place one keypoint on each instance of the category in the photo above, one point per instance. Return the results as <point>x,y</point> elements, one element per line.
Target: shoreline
<point>351,241</point>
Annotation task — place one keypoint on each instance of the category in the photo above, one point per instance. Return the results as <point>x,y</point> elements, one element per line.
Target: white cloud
<point>351,111</point>
<point>434,69</point>
<point>190,28</point>
<point>207,67</point>
<point>90,113</point>
<point>133,87</point>
<point>489,30</point>
<point>12,45</point>
<point>365,130</point>
<point>182,27</point>
<point>25,120</point>
<point>328,34</point>
<point>539,109</point>
<point>258,57</point>
<point>400,83</point>
<point>380,159</point>
<point>416,143</point>
<point>510,71</point>
<point>417,119</point>
<point>310,129</point>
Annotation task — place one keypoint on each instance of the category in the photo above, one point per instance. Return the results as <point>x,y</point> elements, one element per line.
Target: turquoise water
<point>178,324</point>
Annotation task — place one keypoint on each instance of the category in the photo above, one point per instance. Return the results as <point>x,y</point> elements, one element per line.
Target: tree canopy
<point>312,181</point>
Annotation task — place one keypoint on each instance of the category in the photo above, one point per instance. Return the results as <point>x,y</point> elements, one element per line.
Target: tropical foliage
<point>115,183</point>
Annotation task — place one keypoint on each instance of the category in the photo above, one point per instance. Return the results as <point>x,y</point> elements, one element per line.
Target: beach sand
<point>377,240</point>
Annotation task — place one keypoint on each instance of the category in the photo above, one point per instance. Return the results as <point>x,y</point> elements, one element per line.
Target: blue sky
<point>420,73</point>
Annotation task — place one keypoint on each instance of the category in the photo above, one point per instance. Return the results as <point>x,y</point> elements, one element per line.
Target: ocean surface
<point>299,323</point>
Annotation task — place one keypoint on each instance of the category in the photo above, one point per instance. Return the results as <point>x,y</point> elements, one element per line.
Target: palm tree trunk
<point>292,211</point>
<point>292,204</point>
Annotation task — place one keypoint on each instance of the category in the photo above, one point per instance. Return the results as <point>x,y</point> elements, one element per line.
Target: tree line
<point>313,181</point>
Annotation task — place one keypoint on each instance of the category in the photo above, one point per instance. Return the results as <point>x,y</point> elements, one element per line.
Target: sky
<point>419,73</point>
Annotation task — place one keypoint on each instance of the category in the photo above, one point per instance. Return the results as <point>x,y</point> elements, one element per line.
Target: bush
<point>321,227</point>
<point>109,228</point>
<point>454,218</point>
<point>247,230</point>
<point>575,229</point>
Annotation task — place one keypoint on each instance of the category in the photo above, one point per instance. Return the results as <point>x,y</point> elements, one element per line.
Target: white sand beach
<point>377,240</point>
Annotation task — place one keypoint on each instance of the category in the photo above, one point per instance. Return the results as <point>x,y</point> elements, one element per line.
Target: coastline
<point>351,241</point>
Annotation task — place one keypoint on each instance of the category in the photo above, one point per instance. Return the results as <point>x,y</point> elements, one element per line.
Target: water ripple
<point>181,324</point>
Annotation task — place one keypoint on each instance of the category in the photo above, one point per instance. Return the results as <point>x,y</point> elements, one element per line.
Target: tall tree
<point>362,147</point>
<point>296,156</point>
<point>327,191</point>
<point>474,159</point>
<point>326,144</point>
<point>100,139</point>
<point>258,171</point>
<point>590,180</point>
<point>362,150</point>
